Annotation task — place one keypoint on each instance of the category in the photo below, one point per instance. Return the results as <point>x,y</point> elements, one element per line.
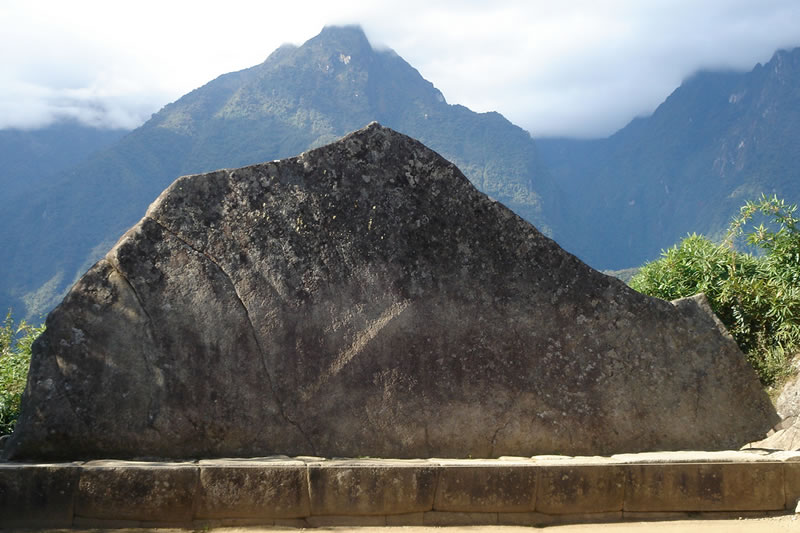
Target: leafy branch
<point>756,295</point>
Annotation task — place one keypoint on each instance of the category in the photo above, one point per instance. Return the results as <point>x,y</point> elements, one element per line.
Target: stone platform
<point>312,491</point>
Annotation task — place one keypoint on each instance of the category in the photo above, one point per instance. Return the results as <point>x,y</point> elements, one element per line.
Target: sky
<point>577,68</point>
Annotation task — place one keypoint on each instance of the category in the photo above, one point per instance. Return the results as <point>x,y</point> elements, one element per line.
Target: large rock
<point>787,432</point>
<point>364,299</point>
<point>788,404</point>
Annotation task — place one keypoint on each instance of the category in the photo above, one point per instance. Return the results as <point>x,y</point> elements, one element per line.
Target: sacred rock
<point>364,299</point>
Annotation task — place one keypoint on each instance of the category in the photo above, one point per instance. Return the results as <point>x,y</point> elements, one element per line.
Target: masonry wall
<point>307,492</point>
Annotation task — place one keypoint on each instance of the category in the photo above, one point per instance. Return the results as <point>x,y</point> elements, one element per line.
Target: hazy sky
<point>555,67</point>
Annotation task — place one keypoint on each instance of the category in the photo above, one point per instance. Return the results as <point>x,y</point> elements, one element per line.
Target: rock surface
<point>363,299</point>
<point>787,434</point>
<point>788,404</point>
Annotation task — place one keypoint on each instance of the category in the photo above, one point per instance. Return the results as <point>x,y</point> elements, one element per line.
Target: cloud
<point>30,106</point>
<point>573,67</point>
<point>586,68</point>
<point>56,69</point>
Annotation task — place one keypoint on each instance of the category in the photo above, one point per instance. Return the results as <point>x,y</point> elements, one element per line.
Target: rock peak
<point>338,30</point>
<point>352,35</point>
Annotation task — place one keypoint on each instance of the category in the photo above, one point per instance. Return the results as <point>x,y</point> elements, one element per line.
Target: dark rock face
<point>364,299</point>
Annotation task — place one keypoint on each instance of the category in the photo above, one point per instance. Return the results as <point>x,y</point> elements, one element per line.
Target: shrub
<point>756,294</point>
<point>15,358</point>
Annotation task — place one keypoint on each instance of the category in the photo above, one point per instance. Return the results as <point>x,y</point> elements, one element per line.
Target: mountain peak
<point>351,35</point>
<point>333,41</point>
<point>348,30</point>
<point>300,97</point>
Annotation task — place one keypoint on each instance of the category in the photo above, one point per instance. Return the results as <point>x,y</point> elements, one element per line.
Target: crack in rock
<point>262,355</point>
<point>151,366</point>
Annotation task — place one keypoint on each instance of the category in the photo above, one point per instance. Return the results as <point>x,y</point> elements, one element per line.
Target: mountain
<point>30,157</point>
<point>718,140</point>
<point>299,98</point>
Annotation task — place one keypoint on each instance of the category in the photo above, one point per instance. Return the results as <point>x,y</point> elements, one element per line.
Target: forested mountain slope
<point>719,139</point>
<point>30,157</point>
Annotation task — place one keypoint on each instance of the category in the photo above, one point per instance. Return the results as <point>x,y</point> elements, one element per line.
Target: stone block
<point>346,521</point>
<point>105,523</point>
<point>536,519</point>
<point>252,490</point>
<point>486,489</point>
<point>636,516</point>
<point>588,518</point>
<point>448,518</point>
<point>370,489</point>
<point>38,495</point>
<point>407,519</point>
<point>704,487</point>
<point>126,490</point>
<point>296,523</point>
<point>208,524</point>
<point>580,489</point>
<point>528,519</point>
<point>735,515</point>
<point>791,474</point>
<point>368,290</point>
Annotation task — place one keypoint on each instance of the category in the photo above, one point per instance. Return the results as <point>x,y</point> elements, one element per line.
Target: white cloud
<point>573,67</point>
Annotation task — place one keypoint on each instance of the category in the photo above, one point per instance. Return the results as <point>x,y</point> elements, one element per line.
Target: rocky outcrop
<point>363,299</point>
<point>788,404</point>
<point>787,433</point>
<point>786,437</point>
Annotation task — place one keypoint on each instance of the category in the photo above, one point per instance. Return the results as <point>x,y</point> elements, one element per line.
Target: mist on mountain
<point>718,140</point>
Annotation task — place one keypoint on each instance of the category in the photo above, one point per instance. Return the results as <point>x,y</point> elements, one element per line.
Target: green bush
<point>756,294</point>
<point>15,358</point>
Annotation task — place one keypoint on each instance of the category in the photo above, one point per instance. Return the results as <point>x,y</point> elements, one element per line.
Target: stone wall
<point>308,492</point>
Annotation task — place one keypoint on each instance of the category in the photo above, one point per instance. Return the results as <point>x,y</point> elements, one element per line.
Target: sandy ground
<point>778,524</point>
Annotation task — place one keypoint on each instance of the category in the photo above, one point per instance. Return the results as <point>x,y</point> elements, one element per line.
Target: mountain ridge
<point>719,139</point>
<point>298,98</point>
<point>32,156</point>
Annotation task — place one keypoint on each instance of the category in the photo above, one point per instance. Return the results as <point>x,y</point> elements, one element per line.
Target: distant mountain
<point>30,157</point>
<point>299,98</point>
<point>721,138</point>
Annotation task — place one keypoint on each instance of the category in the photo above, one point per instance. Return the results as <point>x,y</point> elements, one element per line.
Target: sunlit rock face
<point>364,299</point>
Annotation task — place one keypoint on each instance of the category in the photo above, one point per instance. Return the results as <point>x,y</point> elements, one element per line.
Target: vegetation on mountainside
<point>756,295</point>
<point>31,158</point>
<point>15,357</point>
<point>721,138</point>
